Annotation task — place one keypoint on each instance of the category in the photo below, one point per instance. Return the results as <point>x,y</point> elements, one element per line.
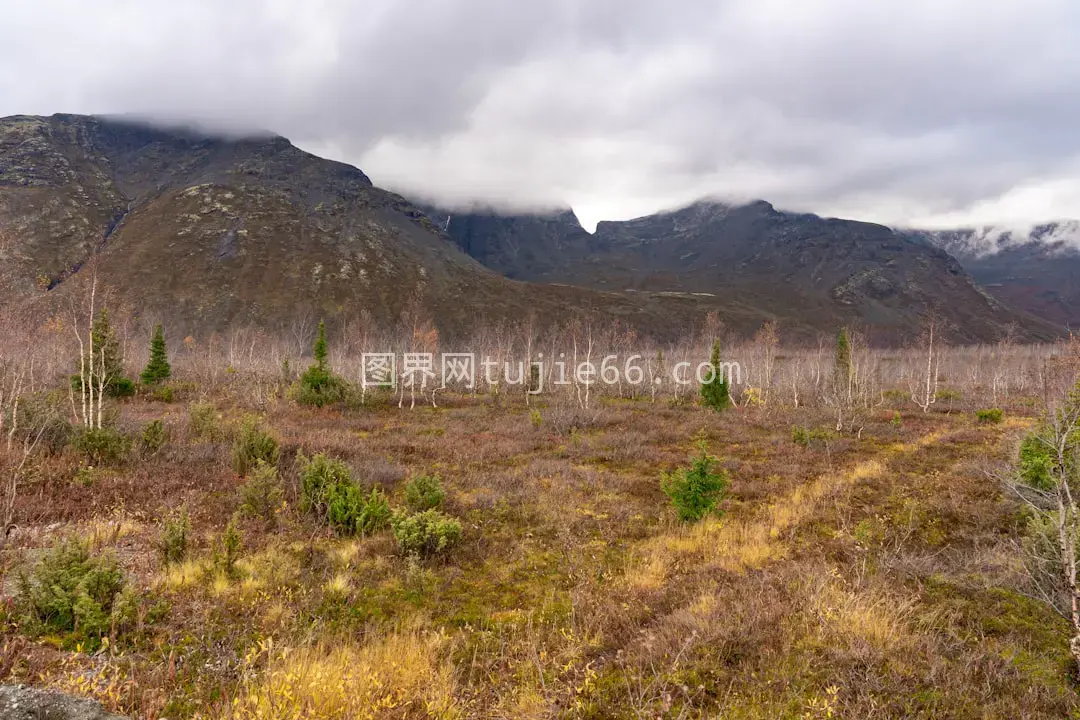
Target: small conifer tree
<point>698,490</point>
<point>714,391</point>
<point>320,349</point>
<point>158,368</point>
<point>843,360</point>
<point>318,386</point>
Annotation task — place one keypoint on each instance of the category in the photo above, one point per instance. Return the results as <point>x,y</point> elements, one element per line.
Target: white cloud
<point>901,111</point>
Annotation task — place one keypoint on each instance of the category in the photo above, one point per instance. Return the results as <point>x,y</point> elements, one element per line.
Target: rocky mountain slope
<point>210,232</point>
<point>1036,271</point>
<point>800,268</point>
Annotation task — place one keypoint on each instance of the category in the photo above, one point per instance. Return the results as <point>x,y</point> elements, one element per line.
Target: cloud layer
<point>934,112</point>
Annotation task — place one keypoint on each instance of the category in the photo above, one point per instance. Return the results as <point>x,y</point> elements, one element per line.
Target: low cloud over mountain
<point>947,113</point>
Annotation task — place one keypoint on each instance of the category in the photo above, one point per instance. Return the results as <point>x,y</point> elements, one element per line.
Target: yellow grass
<point>404,674</point>
<point>338,586</point>
<point>105,531</point>
<point>866,616</point>
<point>183,575</point>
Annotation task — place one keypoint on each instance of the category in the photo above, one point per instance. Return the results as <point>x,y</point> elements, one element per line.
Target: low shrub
<point>175,532</point>
<point>47,413</point>
<point>71,590</point>
<point>1036,463</point>
<point>228,550</point>
<point>261,493</point>
<point>896,395</point>
<point>427,533</point>
<point>163,394</point>
<point>319,388</point>
<point>101,446</point>
<point>805,437</point>
<point>566,418</point>
<point>327,489</point>
<point>204,421</point>
<point>990,416</point>
<point>153,438</point>
<point>252,445</point>
<point>424,492</point>
<point>948,394</point>
<point>696,491</point>
<point>318,476</point>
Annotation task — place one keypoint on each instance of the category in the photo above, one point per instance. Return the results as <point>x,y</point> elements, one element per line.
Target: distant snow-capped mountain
<point>1055,238</point>
<point>1037,269</point>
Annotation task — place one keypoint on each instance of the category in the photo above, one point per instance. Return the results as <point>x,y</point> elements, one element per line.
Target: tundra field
<point>218,546</point>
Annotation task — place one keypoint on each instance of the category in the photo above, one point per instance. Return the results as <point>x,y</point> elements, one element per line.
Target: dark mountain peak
<point>798,267</point>
<point>562,215</point>
<point>143,158</point>
<point>503,239</point>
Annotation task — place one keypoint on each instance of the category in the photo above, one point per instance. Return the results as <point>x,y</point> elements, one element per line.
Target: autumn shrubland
<point>234,549</point>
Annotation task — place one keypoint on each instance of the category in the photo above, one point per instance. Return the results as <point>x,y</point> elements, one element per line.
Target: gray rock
<point>19,702</point>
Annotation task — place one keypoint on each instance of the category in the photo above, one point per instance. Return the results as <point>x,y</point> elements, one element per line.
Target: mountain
<point>802,269</point>
<point>1036,271</point>
<point>212,232</point>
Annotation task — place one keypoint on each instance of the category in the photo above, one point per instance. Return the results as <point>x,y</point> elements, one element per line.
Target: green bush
<point>252,444</point>
<point>204,421</point>
<point>71,590</point>
<point>318,388</point>
<point>175,533</point>
<point>375,515</point>
<point>1036,463</point>
<point>424,492</point>
<point>327,489</point>
<point>991,416</point>
<point>318,476</point>
<point>153,437</point>
<point>164,394</point>
<point>696,491</point>
<point>101,446</point>
<point>806,436</point>
<point>426,533</point>
<point>261,493</point>
<point>947,394</point>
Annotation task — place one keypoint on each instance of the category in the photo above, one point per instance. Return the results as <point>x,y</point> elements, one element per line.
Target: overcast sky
<point>924,112</point>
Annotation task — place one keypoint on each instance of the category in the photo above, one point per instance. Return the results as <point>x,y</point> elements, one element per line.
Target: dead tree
<point>924,394</point>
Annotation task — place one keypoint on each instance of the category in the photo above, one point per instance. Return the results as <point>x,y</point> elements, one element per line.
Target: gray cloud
<point>910,111</point>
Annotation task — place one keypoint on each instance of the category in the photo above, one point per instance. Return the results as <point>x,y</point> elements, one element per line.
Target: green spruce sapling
<point>157,369</point>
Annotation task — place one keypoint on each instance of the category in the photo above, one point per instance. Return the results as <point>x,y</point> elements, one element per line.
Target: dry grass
<point>399,675</point>
<point>874,576</point>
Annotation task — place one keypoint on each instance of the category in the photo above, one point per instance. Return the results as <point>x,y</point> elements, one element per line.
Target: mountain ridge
<point>844,270</point>
<point>219,231</point>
